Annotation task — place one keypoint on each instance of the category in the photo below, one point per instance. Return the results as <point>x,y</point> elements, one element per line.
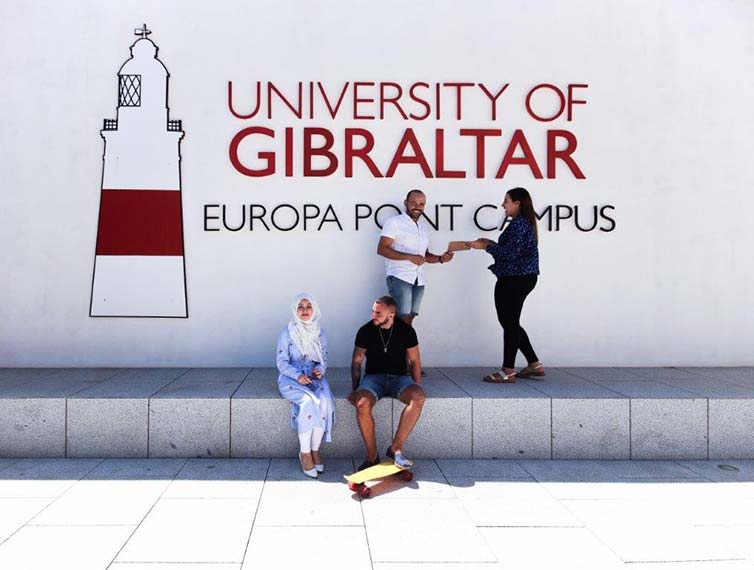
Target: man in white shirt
<point>404,243</point>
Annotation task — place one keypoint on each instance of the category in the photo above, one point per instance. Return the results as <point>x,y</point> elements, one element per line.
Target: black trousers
<point>510,294</point>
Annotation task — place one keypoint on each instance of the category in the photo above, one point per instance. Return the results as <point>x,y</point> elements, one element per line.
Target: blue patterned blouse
<point>516,251</point>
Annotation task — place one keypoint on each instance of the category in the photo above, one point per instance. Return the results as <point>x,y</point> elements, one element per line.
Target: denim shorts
<point>385,385</point>
<point>408,296</point>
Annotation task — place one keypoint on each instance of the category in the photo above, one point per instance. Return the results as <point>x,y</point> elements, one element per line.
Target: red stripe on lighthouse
<point>140,222</point>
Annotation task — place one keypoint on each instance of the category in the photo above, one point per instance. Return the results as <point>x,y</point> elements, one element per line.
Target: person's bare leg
<point>365,401</point>
<point>413,397</point>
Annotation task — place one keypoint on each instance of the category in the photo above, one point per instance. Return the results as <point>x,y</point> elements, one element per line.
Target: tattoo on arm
<point>356,360</point>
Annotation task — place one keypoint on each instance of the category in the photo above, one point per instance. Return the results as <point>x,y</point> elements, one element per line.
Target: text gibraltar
<point>266,145</point>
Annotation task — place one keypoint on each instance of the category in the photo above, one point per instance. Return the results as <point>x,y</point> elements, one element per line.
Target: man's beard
<point>379,324</point>
<point>413,215</point>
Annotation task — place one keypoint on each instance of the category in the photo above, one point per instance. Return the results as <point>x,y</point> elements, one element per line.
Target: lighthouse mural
<point>139,267</point>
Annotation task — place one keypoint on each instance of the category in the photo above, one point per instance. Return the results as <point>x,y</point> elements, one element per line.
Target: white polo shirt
<point>410,237</point>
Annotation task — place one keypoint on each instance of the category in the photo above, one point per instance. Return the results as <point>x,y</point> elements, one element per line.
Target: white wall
<point>665,137</point>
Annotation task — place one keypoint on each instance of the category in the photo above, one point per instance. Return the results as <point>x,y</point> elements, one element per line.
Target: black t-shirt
<point>393,360</point>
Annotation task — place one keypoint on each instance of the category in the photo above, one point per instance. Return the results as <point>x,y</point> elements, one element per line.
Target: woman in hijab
<point>302,362</point>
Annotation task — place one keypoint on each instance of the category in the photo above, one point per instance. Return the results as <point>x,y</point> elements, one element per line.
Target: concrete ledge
<point>572,413</point>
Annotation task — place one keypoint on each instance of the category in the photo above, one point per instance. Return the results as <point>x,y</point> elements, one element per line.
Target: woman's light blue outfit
<point>313,405</point>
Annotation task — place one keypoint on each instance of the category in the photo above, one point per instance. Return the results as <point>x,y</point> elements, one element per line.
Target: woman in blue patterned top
<point>516,266</point>
<point>302,363</point>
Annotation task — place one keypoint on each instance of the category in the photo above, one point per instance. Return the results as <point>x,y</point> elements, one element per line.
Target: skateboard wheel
<point>407,475</point>
<point>353,487</point>
<point>364,491</point>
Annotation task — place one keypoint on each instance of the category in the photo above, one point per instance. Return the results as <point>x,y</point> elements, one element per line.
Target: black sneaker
<point>367,464</point>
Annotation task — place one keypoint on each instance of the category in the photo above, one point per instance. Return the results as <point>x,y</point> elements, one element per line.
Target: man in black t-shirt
<point>386,342</point>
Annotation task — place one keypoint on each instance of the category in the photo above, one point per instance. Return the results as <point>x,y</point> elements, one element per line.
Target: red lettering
<point>310,151</point>
<point>571,100</point>
<point>440,171</point>
<point>393,100</point>
<point>360,153</point>
<point>267,156</point>
<point>519,140</point>
<point>332,111</point>
<point>357,99</point>
<point>480,135</point>
<point>409,139</point>
<point>565,155</point>
<point>551,87</point>
<point>422,102</point>
<point>235,113</point>
<point>493,98</point>
<point>459,105</point>
<point>296,110</point>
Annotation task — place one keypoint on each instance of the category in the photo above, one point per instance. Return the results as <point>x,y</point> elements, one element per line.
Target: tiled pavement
<point>157,514</point>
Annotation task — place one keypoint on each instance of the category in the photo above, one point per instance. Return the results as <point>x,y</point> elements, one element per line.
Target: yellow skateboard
<point>357,481</point>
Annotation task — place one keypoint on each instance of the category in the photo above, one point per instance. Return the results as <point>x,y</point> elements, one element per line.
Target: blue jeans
<point>385,385</point>
<point>406,295</point>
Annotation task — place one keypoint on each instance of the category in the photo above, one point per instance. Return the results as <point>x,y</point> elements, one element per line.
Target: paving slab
<point>192,530</point>
<point>706,565</point>
<point>668,429</point>
<point>219,479</point>
<point>605,471</point>
<point>441,531</point>
<point>16,512</point>
<point>570,388</point>
<point>59,384</point>
<point>103,502</point>
<point>136,469</point>
<point>643,532</point>
<point>43,477</point>
<point>290,498</point>
<point>437,566</point>
<point>26,374</point>
<point>511,504</point>
<point>538,548</point>
<point>711,388</point>
<point>79,547</point>
<point>604,374</point>
<point>647,389</point>
<point>591,428</point>
<point>743,375</point>
<point>719,470</point>
<point>663,373</point>
<point>132,383</point>
<point>624,489</point>
<point>172,566</point>
<point>480,469</point>
<point>190,417</point>
<point>275,547</point>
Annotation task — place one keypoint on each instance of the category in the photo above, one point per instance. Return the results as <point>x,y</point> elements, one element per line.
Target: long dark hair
<point>522,196</point>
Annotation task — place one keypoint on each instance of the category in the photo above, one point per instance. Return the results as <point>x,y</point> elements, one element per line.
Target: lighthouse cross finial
<point>143,32</point>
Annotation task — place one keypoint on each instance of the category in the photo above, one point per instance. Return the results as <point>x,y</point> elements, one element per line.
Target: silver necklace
<point>384,344</point>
